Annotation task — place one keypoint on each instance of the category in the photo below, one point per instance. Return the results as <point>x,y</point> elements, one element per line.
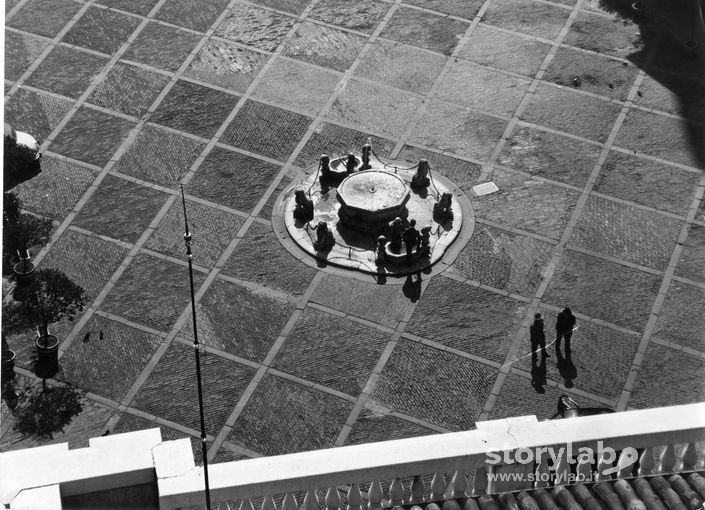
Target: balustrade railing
<point>453,466</point>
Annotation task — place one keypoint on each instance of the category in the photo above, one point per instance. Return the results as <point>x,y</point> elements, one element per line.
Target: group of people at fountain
<point>416,243</point>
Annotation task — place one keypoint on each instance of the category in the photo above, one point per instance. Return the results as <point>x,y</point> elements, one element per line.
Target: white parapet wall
<point>123,460</point>
<point>232,481</point>
<point>110,462</point>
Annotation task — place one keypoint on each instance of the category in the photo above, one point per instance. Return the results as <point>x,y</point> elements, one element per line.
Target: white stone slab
<point>173,458</point>
<point>485,188</point>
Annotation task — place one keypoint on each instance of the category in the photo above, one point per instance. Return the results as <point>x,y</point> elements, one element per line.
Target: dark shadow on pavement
<point>672,53</point>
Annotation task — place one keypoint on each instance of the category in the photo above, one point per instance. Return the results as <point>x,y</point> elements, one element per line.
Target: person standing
<point>564,329</point>
<point>538,337</point>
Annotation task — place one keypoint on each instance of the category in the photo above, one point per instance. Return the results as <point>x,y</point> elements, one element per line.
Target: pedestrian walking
<point>538,337</point>
<point>565,324</point>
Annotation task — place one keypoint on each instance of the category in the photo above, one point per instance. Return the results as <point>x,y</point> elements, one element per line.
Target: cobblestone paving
<point>580,126</point>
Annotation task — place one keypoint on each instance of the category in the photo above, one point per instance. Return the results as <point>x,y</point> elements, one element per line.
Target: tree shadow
<point>673,54</point>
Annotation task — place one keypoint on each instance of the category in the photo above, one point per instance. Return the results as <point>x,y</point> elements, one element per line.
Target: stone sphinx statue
<point>442,210</point>
<point>420,180</point>
<point>303,211</point>
<point>324,237</point>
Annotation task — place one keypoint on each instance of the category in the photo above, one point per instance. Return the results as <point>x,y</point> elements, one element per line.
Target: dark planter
<point>691,48</point>
<point>8,366</point>
<point>24,272</point>
<point>47,356</point>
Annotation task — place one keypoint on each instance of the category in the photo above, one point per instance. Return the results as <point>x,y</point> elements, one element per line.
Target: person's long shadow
<point>673,53</point>
<point>538,373</point>
<point>412,287</point>
<point>566,368</point>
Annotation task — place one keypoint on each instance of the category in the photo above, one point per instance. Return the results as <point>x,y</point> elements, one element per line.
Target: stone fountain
<point>361,213</point>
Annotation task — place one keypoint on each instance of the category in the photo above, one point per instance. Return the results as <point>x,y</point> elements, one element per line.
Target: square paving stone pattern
<point>482,89</point>
<point>212,231</point>
<point>461,8</point>
<point>260,258</point>
<point>527,16</point>
<point>20,52</point>
<point>266,130</point>
<point>297,86</point>
<point>462,173</point>
<point>373,425</point>
<point>527,204</point>
<point>450,128</point>
<point>54,16</point>
<point>337,141</point>
<point>67,72</point>
<point>597,74</point>
<point>194,108</point>
<point>550,155</point>
<point>259,28</point>
<point>196,16</point>
<point>142,7</point>
<point>170,390</point>
<point>92,136</point>
<point>157,307</point>
<point>382,304</point>
<point>159,156</point>
<point>668,377</point>
<point>292,6</point>
<point>101,30</point>
<point>647,182</point>
<point>569,111</point>
<point>681,320</point>
<point>106,357</point>
<point>673,93</point>
<point>518,398</point>
<point>436,386</point>
<point>55,191</point>
<point>628,233</point>
<point>425,30</point>
<point>374,108</point>
<point>128,89</point>
<point>285,417</point>
<point>611,36</point>
<point>161,46</point>
<point>504,260</point>
<point>505,51</point>
<point>467,318</point>
<point>226,65</point>
<point>363,16</point>
<point>401,66</point>
<point>265,212</point>
<point>692,259</point>
<point>663,137</point>
<point>601,356</point>
<point>604,290</point>
<point>38,114</point>
<point>120,209</point>
<point>99,259</point>
<point>230,319</point>
<point>331,351</point>
<point>323,46</point>
<point>223,171</point>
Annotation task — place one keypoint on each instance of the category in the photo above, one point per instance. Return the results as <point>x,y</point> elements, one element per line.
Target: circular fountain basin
<point>370,199</point>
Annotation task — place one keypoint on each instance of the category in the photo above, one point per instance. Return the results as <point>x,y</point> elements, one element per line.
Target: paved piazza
<point>593,136</point>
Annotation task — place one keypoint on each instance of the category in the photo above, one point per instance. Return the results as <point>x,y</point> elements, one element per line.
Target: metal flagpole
<point>204,446</point>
